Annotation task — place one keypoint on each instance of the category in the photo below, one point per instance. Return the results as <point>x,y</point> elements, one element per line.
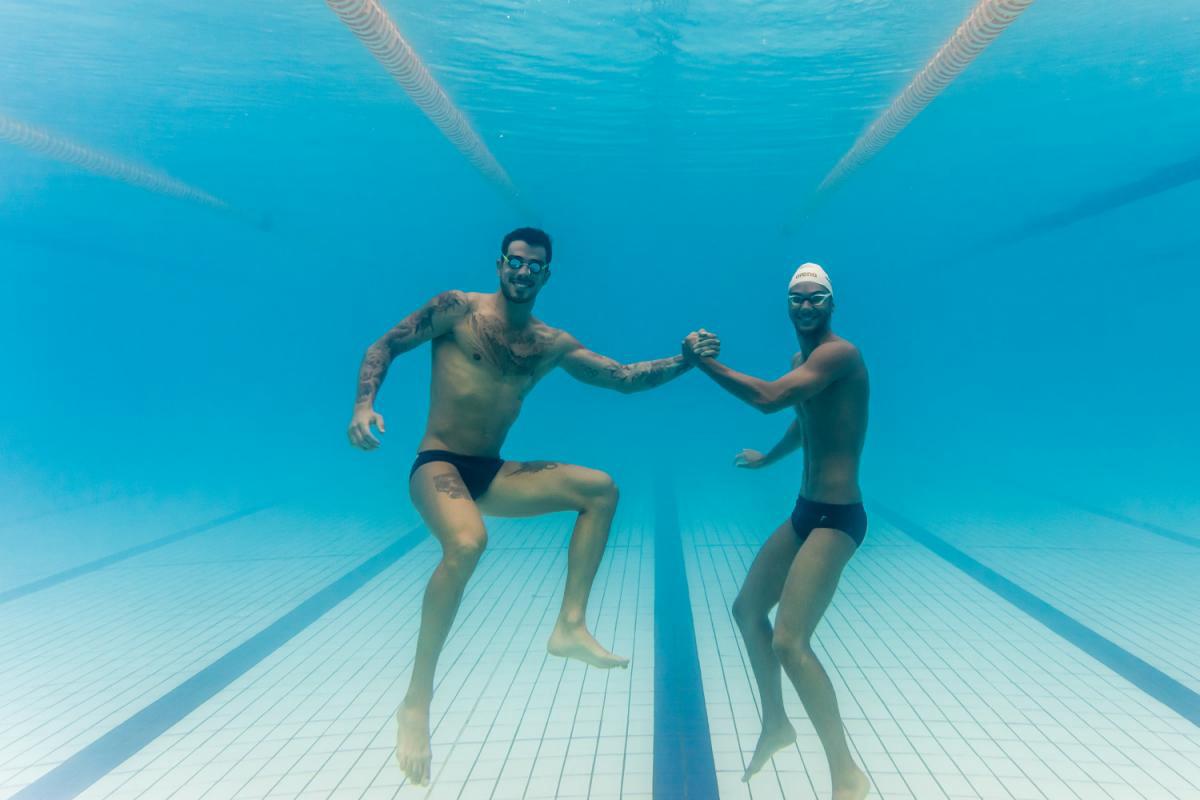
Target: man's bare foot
<point>770,741</point>
<point>412,743</point>
<point>574,641</point>
<point>854,787</point>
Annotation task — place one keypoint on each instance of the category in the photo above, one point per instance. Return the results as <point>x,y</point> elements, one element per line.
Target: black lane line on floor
<point>100,563</point>
<point>93,762</point>
<point>683,759</point>
<point>1148,678</point>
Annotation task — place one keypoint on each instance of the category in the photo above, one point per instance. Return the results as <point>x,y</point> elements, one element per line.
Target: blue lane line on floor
<point>1149,679</point>
<point>93,762</point>
<point>1149,527</point>
<point>683,757</point>
<point>57,510</point>
<point>100,563</point>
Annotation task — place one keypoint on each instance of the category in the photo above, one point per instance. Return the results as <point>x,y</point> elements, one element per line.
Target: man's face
<point>810,305</point>
<point>519,283</point>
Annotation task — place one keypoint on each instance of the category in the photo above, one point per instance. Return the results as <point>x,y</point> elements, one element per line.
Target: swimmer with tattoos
<point>488,353</point>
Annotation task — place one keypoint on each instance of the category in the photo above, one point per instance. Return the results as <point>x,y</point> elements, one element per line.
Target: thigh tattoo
<point>451,484</point>
<point>530,467</point>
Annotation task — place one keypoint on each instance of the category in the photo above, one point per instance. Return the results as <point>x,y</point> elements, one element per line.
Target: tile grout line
<point>1124,519</point>
<point>121,555</point>
<point>93,762</point>
<point>1138,672</point>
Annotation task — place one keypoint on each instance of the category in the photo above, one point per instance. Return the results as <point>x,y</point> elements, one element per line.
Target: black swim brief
<point>477,472</point>
<point>850,519</point>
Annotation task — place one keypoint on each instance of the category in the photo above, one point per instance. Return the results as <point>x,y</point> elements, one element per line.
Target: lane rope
<point>986,22</point>
<point>376,30</point>
<point>60,149</point>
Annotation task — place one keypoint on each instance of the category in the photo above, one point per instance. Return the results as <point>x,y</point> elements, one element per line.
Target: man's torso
<point>482,371</point>
<point>835,427</point>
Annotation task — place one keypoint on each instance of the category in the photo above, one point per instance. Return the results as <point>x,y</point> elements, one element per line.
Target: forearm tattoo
<point>410,332</point>
<point>531,467</point>
<point>635,377</point>
<point>648,374</point>
<point>370,374</point>
<point>450,484</point>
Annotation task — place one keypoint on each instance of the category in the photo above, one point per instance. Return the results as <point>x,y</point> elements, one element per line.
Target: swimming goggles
<point>818,299</point>
<point>516,262</point>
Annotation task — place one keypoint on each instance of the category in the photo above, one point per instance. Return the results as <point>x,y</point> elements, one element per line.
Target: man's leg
<point>450,514</point>
<point>528,488</point>
<point>759,594</point>
<point>809,588</point>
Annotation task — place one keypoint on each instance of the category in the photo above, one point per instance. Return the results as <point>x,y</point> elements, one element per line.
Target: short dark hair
<point>534,237</point>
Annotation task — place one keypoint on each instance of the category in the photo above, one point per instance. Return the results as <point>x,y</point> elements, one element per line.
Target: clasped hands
<point>700,344</point>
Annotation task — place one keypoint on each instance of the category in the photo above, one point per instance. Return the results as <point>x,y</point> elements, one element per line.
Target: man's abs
<point>835,424</point>
<point>470,408</point>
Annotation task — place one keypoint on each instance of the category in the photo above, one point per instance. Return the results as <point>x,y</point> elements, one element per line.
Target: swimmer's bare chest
<point>526,354</point>
<point>482,371</point>
<point>485,365</point>
<point>835,418</point>
<point>834,423</point>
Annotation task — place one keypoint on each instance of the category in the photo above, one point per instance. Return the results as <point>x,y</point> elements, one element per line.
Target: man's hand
<point>700,344</point>
<point>360,428</point>
<point>750,459</point>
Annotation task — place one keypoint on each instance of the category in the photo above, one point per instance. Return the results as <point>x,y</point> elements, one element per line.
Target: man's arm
<point>827,363</point>
<point>428,322</point>
<point>597,370</point>
<point>793,439</point>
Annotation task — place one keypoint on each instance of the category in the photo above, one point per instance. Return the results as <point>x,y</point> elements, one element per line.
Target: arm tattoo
<point>648,374</point>
<point>447,300</point>
<point>414,329</point>
<point>450,484</point>
<point>604,371</point>
<point>370,374</point>
<point>417,326</point>
<point>531,467</point>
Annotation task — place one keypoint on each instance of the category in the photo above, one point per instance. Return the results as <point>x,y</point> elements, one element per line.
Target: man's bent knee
<point>597,490</point>
<point>746,612</point>
<point>462,550</point>
<point>792,650</point>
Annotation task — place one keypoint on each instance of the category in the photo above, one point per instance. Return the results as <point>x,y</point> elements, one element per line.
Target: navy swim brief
<point>850,519</point>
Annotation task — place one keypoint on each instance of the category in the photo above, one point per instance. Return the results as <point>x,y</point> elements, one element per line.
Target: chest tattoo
<point>512,353</point>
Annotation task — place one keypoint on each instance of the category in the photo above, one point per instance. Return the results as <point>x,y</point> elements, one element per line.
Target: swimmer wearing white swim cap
<point>810,298</point>
<point>800,564</point>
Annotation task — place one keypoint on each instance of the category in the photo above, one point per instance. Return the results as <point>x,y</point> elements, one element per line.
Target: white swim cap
<point>810,273</point>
